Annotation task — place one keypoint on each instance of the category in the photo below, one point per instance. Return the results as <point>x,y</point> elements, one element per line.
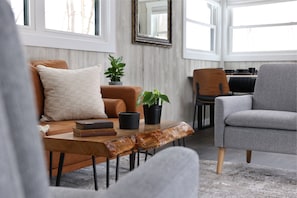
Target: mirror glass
<point>151,22</point>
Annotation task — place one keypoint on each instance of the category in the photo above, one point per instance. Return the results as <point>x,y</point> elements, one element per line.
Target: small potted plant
<point>115,71</point>
<point>152,105</point>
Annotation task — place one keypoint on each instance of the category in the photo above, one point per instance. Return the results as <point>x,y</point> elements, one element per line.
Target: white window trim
<point>37,35</point>
<point>199,54</point>
<point>228,55</point>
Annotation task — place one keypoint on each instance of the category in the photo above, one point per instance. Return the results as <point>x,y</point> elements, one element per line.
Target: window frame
<point>228,55</point>
<point>214,55</point>
<point>35,33</point>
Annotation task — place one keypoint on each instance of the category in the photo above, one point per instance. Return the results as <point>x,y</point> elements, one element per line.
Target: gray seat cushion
<point>268,119</point>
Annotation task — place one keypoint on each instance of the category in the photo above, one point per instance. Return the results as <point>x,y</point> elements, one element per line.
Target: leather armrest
<point>128,94</point>
<point>113,107</point>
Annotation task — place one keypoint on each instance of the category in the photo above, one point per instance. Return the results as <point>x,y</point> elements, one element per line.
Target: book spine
<point>94,132</point>
<point>94,126</point>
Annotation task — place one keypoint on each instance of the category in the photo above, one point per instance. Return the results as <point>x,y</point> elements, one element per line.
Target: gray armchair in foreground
<point>171,173</point>
<point>265,121</point>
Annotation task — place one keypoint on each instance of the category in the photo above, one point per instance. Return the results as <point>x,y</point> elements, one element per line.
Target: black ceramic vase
<point>152,114</point>
<point>129,120</point>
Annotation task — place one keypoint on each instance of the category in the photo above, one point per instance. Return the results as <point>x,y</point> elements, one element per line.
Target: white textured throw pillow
<point>72,94</point>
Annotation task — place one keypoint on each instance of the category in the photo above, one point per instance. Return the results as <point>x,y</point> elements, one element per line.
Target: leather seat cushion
<point>268,119</point>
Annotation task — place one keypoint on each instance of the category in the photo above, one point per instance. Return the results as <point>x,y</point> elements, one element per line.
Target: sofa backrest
<point>38,88</point>
<point>276,87</point>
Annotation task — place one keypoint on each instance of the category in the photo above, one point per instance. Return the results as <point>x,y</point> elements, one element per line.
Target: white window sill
<point>68,41</point>
<point>200,55</point>
<point>262,56</point>
<point>37,35</point>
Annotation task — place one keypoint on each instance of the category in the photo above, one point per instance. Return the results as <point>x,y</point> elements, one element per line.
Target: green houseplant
<point>152,102</point>
<point>116,71</point>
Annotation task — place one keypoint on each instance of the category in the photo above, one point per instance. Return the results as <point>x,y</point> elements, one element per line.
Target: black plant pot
<point>129,120</point>
<point>152,114</point>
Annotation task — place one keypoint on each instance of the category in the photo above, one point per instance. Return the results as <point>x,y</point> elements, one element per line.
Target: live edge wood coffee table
<point>126,141</point>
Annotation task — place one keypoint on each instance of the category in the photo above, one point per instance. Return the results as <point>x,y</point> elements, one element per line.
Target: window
<point>72,16</point>
<point>70,24</point>
<point>201,29</point>
<point>21,11</point>
<point>265,30</point>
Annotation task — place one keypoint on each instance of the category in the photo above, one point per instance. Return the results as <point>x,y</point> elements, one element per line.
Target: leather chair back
<point>211,82</point>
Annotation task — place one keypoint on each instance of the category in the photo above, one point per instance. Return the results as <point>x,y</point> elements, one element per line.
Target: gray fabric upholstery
<point>275,87</point>
<point>265,121</point>
<point>224,106</point>
<point>63,192</point>
<point>23,152</point>
<point>267,140</point>
<point>171,173</point>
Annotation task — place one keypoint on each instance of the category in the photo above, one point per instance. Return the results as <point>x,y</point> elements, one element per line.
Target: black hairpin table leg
<point>50,165</point>
<point>94,172</point>
<point>107,172</point>
<point>117,167</point>
<point>60,168</point>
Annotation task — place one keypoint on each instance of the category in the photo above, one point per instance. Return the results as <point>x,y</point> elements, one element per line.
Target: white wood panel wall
<point>146,66</point>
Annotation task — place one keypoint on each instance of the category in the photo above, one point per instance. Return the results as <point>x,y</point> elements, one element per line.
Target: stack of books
<point>87,128</point>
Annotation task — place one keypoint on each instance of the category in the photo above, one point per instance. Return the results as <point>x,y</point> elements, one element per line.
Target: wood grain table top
<point>146,137</point>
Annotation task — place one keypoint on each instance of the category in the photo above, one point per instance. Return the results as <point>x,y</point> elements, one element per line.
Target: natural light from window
<point>18,10</point>
<point>263,28</point>
<point>70,16</point>
<point>200,25</point>
<point>67,24</point>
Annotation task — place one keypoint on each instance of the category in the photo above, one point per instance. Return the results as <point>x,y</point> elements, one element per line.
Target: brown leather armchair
<point>116,99</point>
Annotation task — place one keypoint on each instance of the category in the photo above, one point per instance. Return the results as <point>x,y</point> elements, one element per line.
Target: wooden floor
<point>202,142</point>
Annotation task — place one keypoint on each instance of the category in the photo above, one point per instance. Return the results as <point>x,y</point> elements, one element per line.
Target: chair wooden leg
<point>248,156</point>
<point>221,155</point>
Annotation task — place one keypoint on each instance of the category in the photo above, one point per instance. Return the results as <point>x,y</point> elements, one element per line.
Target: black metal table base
<point>60,169</point>
<point>94,172</point>
<point>132,157</point>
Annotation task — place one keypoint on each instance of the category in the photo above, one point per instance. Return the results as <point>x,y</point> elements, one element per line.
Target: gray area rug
<point>237,180</point>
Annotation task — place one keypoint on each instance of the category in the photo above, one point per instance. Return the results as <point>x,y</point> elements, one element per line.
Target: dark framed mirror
<point>151,22</point>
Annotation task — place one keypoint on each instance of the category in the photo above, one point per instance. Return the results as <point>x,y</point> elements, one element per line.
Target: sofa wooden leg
<point>221,155</point>
<point>248,156</point>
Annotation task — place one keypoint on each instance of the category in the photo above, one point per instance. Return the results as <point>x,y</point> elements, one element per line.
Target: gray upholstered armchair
<point>265,121</point>
<point>171,173</point>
